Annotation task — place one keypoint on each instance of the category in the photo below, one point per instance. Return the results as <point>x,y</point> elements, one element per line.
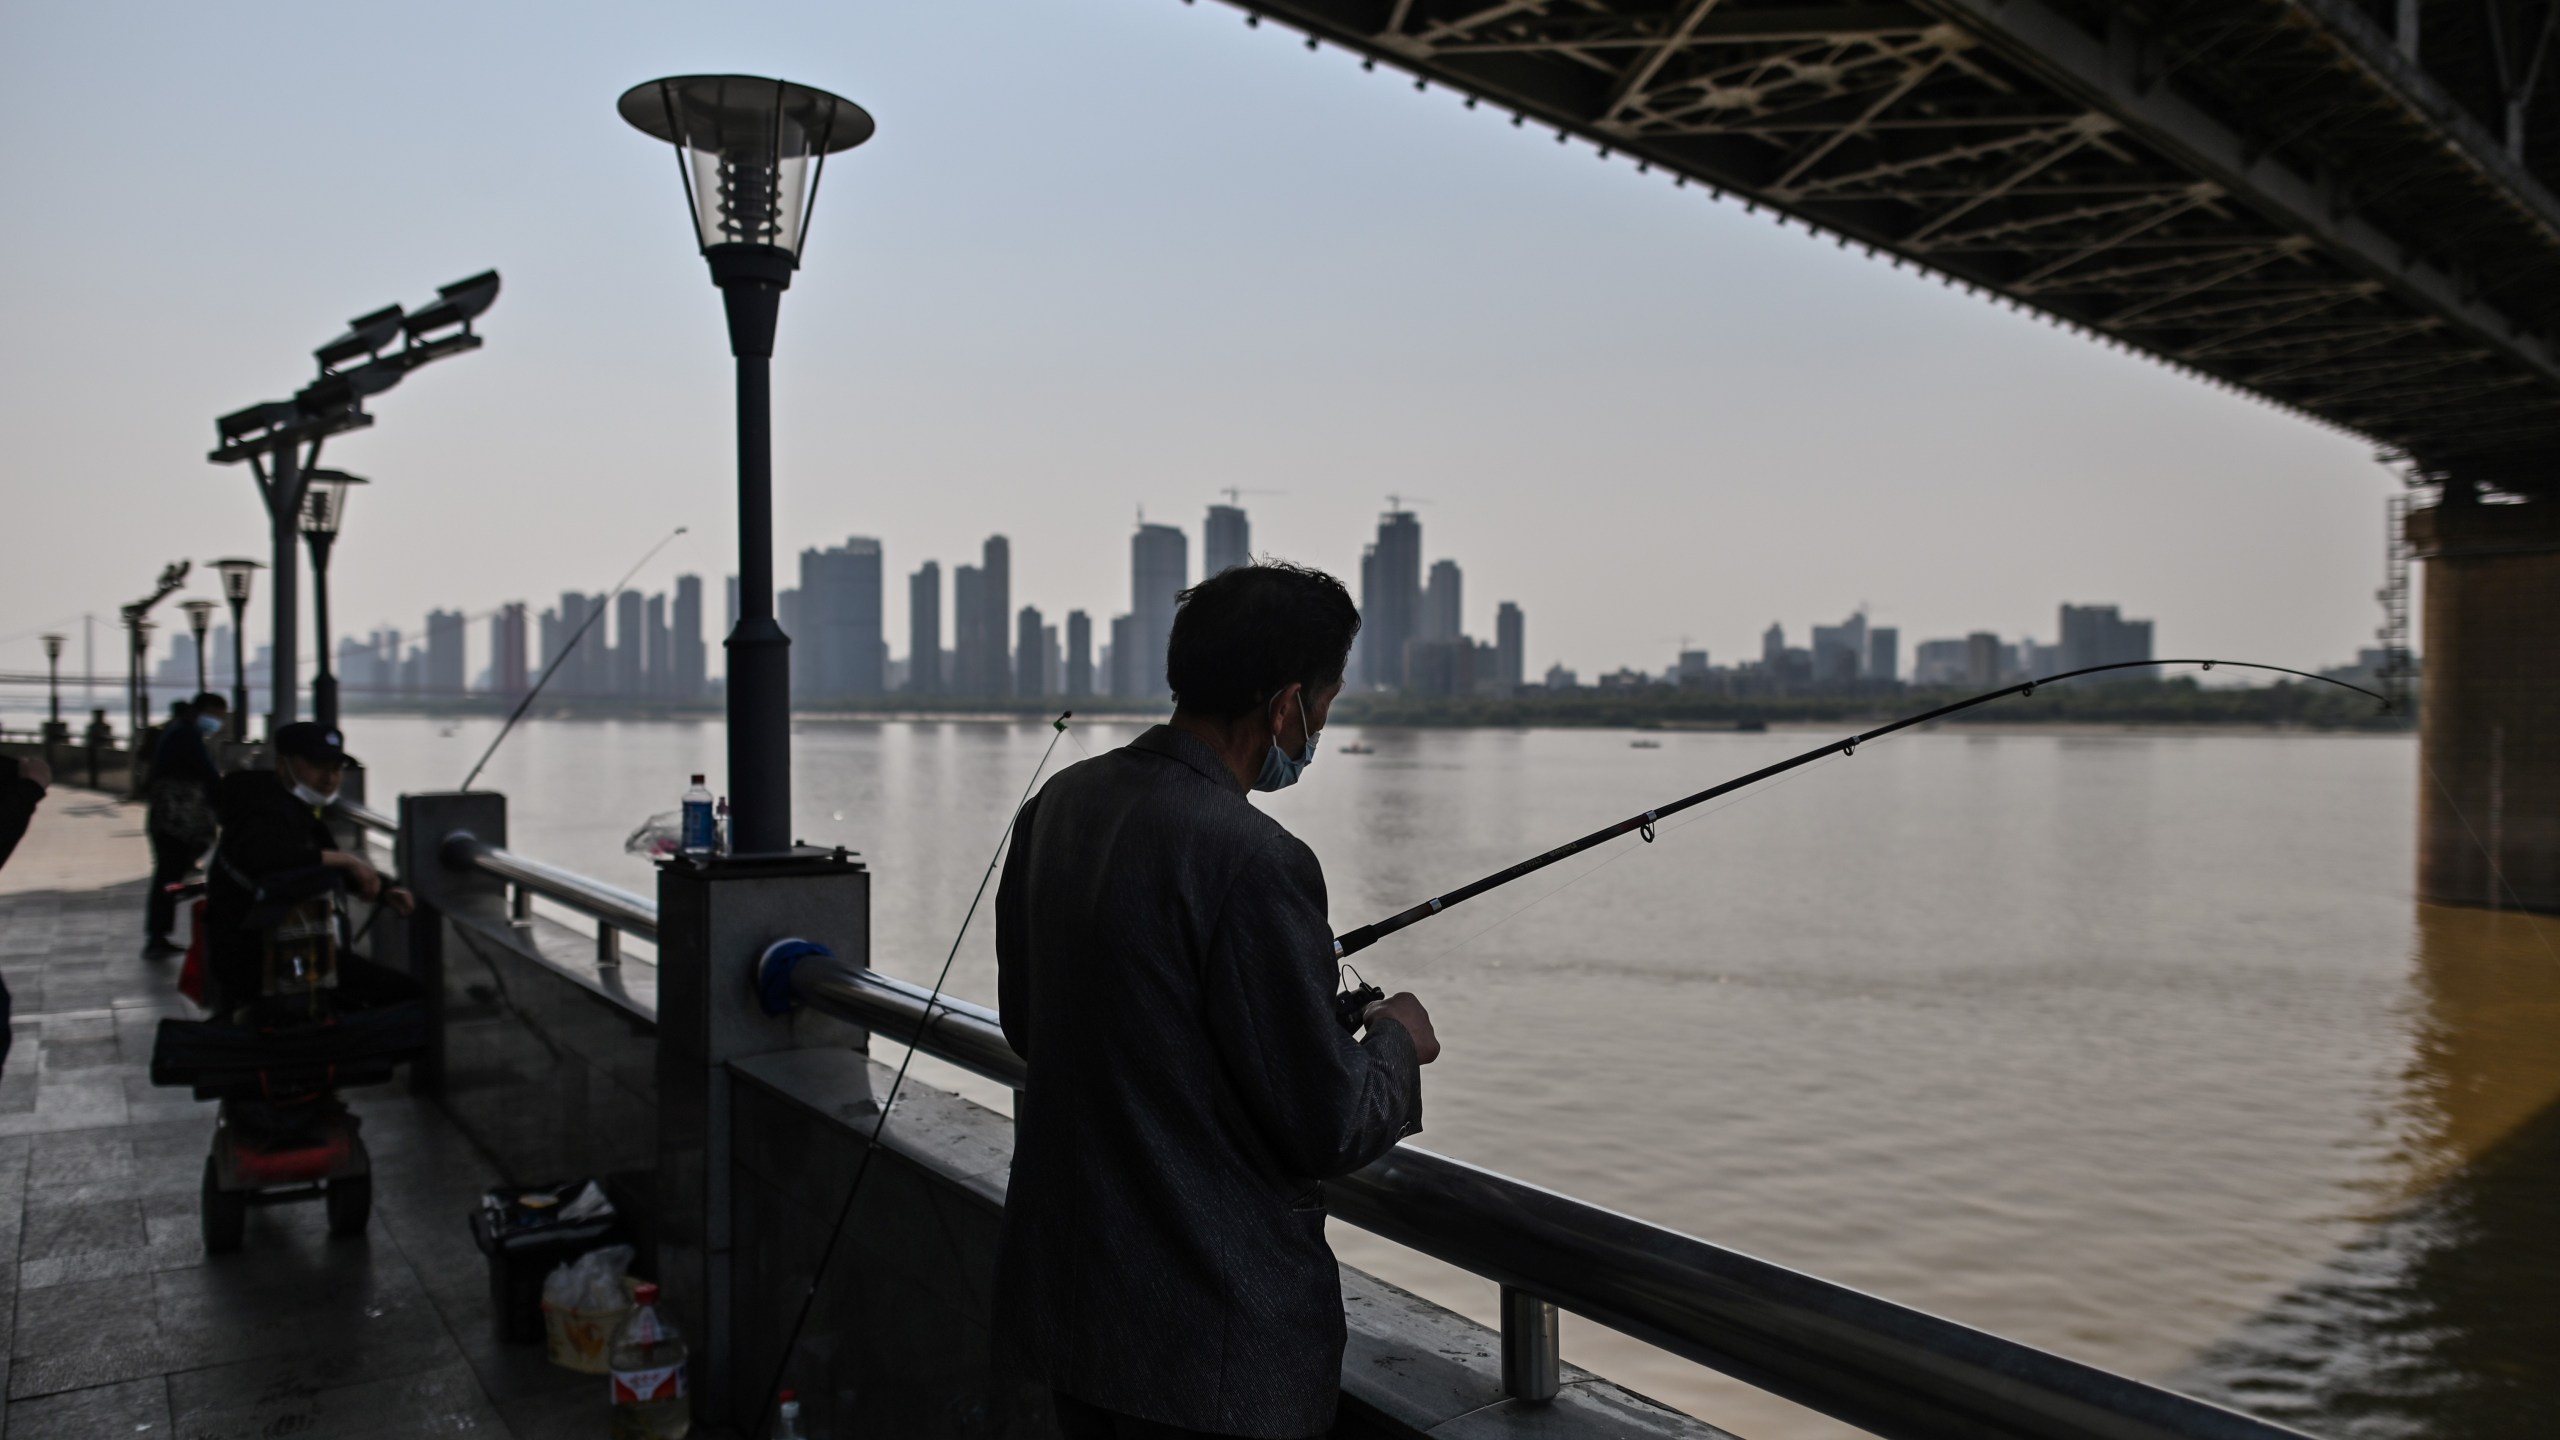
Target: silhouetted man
<point>1166,968</point>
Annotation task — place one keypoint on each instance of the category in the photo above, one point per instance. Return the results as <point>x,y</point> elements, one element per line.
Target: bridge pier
<point>2489,787</point>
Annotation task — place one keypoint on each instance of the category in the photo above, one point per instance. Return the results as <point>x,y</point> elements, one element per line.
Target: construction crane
<point>1235,494</point>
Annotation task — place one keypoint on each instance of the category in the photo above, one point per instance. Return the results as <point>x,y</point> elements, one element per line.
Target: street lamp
<point>749,151</point>
<point>236,575</point>
<point>139,627</point>
<point>54,734</point>
<point>324,506</point>
<point>281,439</point>
<point>199,619</point>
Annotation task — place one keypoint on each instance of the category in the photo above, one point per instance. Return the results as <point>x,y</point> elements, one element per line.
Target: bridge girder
<point>2273,194</point>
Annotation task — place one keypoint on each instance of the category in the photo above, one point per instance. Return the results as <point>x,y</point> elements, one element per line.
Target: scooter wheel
<point>350,1202</point>
<point>226,1215</point>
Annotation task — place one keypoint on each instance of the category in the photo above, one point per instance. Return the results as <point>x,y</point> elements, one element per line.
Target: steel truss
<point>2271,193</point>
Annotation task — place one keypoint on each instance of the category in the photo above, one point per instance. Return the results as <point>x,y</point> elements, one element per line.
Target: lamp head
<point>324,500</point>
<point>53,647</point>
<point>749,149</point>
<point>366,335</point>
<point>236,575</point>
<point>199,616</point>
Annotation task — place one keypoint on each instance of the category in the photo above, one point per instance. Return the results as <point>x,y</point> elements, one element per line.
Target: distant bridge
<point>2342,206</point>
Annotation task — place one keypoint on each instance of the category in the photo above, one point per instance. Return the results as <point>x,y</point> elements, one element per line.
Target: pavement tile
<point>444,1401</point>
<point>130,1408</point>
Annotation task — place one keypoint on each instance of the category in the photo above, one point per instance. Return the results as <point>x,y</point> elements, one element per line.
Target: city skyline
<point>1986,464</point>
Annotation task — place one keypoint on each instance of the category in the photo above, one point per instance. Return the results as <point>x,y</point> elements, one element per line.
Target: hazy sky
<point>1103,254</point>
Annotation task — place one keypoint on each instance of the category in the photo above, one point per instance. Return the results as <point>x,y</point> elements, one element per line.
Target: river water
<point>2130,1045</point>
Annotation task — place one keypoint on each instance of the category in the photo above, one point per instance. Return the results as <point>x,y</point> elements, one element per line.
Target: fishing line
<point>862,1167</point>
<point>593,615</point>
<point>1352,942</point>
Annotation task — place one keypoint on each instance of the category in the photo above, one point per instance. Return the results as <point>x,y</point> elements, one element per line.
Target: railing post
<point>1531,1358</point>
<point>608,945</point>
<point>714,922</point>
<point>425,821</point>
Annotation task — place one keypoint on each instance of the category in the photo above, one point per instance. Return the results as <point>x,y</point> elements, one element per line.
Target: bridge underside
<point>2274,194</point>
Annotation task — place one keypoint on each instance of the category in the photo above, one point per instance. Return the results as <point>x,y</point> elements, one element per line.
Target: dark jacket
<point>1165,966</point>
<point>269,852</point>
<point>18,798</point>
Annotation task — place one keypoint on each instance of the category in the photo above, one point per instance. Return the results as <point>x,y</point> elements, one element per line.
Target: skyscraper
<point>1053,668</point>
<point>1511,647</point>
<point>1226,541</point>
<point>1079,662</point>
<point>1773,647</point>
<point>1884,653</point>
<point>662,650</point>
<point>924,630</point>
<point>1840,651</point>
<point>1159,568</point>
<point>1028,653</point>
<point>509,659</point>
<point>444,653</point>
<point>995,565</point>
<point>629,636</point>
<point>1390,597</point>
<point>1443,607</point>
<point>2100,635</point>
<point>693,674</point>
<point>842,654</point>
<point>1124,681</point>
<point>968,621</point>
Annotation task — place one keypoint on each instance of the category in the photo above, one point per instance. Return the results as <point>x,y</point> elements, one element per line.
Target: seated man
<point>1165,967</point>
<point>275,851</point>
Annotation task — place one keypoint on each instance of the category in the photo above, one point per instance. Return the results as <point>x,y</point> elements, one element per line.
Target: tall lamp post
<point>749,151</point>
<point>54,734</point>
<point>199,619</point>
<point>324,507</point>
<point>281,439</point>
<point>138,628</point>
<point>236,577</point>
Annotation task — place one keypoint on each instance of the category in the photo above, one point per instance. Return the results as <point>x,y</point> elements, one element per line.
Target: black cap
<point>307,740</point>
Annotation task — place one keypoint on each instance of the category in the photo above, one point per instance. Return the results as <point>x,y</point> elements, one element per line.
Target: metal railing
<point>366,816</point>
<point>1886,1368</point>
<point>616,911</point>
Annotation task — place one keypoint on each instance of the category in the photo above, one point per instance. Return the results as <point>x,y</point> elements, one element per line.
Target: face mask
<point>208,725</point>
<point>1280,770</point>
<point>313,798</point>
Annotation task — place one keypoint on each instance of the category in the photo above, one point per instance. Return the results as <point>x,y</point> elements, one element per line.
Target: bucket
<point>581,1340</point>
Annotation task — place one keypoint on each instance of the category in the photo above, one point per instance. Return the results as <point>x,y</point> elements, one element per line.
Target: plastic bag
<point>658,837</point>
<point>593,1281</point>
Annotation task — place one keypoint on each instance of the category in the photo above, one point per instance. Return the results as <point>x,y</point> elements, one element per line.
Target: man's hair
<point>1248,632</point>
<point>207,700</point>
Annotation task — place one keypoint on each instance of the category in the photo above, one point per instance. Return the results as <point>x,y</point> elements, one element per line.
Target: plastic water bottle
<point>699,834</point>
<point>786,1426</point>
<point>647,1360</point>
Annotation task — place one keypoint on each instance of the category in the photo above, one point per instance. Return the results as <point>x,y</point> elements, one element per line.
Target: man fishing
<point>1165,967</point>
<point>276,849</point>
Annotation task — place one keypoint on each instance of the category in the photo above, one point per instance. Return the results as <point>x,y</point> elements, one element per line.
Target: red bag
<point>191,972</point>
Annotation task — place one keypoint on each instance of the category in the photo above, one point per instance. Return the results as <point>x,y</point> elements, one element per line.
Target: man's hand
<point>33,768</point>
<point>363,878</point>
<point>400,900</point>
<point>1407,1011</point>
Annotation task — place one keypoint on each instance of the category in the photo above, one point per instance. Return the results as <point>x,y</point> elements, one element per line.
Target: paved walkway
<point>116,1322</point>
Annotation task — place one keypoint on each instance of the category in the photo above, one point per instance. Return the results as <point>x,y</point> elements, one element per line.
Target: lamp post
<point>324,507</point>
<point>54,734</point>
<point>749,151</point>
<point>199,619</point>
<point>236,576</point>
<point>138,628</point>
<point>281,439</point>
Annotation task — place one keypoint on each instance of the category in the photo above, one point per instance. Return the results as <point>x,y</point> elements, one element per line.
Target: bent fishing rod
<point>593,615</point>
<point>1352,942</point>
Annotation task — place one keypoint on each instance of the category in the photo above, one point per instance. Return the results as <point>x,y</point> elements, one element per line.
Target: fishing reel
<point>1348,1005</point>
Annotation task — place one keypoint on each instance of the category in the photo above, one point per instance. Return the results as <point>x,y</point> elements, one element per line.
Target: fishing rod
<point>1352,942</point>
<point>862,1167</point>
<point>593,615</point>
